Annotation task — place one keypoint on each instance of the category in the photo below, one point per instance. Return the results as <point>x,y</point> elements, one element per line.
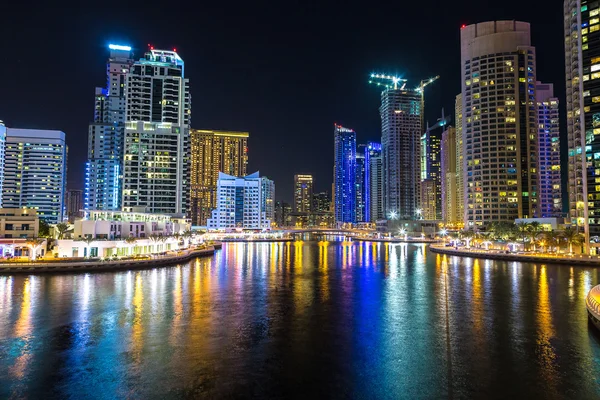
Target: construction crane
<point>381,80</point>
<point>421,89</point>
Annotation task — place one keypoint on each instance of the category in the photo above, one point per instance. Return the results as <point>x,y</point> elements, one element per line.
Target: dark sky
<point>285,71</point>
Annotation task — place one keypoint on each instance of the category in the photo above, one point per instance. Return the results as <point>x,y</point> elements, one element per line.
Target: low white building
<point>114,248</point>
<point>18,223</point>
<point>243,202</point>
<point>100,224</point>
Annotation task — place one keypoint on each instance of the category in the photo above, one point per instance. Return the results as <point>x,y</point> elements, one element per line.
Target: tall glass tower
<point>400,139</point>
<point>344,174</point>
<point>104,168</point>
<point>361,183</point>
<point>582,67</point>
<point>374,182</point>
<point>156,161</point>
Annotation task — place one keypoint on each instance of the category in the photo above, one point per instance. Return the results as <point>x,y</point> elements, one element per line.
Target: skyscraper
<point>361,185</point>
<point>374,185</point>
<point>243,202</point>
<point>74,204</point>
<point>549,180</point>
<point>344,174</point>
<point>450,214</point>
<point>460,162</point>
<point>157,129</point>
<point>213,152</point>
<point>400,140</point>
<point>104,169</point>
<point>303,194</point>
<point>2,156</point>
<point>499,122</point>
<point>431,205</point>
<point>35,172</point>
<point>582,60</point>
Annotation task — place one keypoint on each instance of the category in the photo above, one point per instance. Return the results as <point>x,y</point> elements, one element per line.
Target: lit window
<point>594,28</point>
<point>596,99</point>
<point>593,13</point>
<point>594,20</point>
<point>595,75</point>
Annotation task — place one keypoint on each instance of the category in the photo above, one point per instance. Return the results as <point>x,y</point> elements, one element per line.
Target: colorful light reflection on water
<point>311,318</point>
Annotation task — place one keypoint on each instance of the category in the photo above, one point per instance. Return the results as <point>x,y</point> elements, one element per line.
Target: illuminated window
<point>595,75</point>
<point>584,31</point>
<point>594,20</point>
<point>594,28</point>
<point>593,13</point>
<point>596,99</point>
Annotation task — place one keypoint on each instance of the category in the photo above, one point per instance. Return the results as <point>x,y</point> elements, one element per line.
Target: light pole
<point>419,213</point>
<point>393,215</point>
<point>444,233</point>
<point>403,232</point>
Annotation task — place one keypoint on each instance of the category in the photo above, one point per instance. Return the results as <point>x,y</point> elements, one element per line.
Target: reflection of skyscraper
<point>499,122</point>
<point>374,185</point>
<point>2,152</point>
<point>303,193</point>
<point>400,134</point>
<point>104,169</point>
<point>157,128</point>
<point>549,186</point>
<point>345,174</point>
<point>213,152</point>
<point>361,184</point>
<point>582,32</point>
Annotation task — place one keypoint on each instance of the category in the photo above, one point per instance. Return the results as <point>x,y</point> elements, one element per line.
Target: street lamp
<point>403,232</point>
<point>419,213</point>
<point>444,233</point>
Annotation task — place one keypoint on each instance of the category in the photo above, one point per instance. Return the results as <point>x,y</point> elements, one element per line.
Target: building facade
<point>303,194</point>
<point>582,61</point>
<point>431,171</point>
<point>429,197</point>
<point>35,172</point>
<point>460,161</point>
<point>499,122</point>
<point>361,182</point>
<point>549,179</point>
<point>450,212</point>
<point>213,152</point>
<point>400,140</point>
<point>104,168</point>
<point>18,223</point>
<point>157,128</point>
<point>374,185</point>
<point>243,202</point>
<point>74,204</point>
<point>344,174</point>
<point>2,157</point>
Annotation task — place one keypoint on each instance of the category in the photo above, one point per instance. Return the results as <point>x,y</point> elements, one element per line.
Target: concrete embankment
<point>395,240</point>
<point>575,260</point>
<point>256,240</point>
<point>97,265</point>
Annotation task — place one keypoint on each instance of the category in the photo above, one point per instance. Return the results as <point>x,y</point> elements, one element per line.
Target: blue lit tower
<point>345,174</point>
<point>104,168</point>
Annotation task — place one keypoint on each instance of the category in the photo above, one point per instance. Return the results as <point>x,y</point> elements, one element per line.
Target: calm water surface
<point>303,320</point>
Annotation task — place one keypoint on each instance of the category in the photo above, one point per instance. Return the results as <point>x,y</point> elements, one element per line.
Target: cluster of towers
<point>499,163</point>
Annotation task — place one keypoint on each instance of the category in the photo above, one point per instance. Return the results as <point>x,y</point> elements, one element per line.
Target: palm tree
<point>154,238</point>
<point>187,236</point>
<point>522,231</point>
<point>534,229</point>
<point>468,235</point>
<point>87,239</point>
<point>61,229</point>
<point>551,238</point>
<point>34,244</point>
<point>571,235</point>
<point>131,240</point>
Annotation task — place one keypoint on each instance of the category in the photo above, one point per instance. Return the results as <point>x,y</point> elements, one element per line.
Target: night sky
<point>285,72</point>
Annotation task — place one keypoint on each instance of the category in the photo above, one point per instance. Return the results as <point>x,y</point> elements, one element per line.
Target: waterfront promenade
<point>104,265</point>
<point>533,258</point>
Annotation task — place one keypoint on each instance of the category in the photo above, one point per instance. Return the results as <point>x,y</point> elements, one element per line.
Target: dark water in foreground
<point>303,320</point>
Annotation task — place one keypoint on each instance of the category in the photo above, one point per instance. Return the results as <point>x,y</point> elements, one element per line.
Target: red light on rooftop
<point>174,49</point>
<point>463,26</point>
